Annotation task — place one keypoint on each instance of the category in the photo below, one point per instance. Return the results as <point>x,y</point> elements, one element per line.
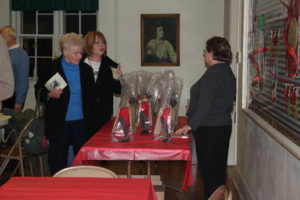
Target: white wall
<point>197,24</point>
<point>232,25</point>
<point>4,13</point>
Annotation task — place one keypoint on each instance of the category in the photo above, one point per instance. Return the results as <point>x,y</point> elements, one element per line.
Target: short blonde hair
<point>69,40</point>
<point>9,30</point>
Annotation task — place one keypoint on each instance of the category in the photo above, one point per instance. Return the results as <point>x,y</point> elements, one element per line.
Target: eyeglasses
<point>76,53</point>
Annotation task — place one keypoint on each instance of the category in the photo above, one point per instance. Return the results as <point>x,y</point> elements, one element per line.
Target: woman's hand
<point>117,73</point>
<point>118,70</point>
<point>183,130</point>
<point>55,94</point>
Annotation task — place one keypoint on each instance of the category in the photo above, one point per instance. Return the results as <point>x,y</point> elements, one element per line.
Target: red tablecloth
<point>77,188</point>
<point>100,147</point>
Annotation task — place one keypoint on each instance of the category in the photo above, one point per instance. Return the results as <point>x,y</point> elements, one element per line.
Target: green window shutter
<point>51,5</point>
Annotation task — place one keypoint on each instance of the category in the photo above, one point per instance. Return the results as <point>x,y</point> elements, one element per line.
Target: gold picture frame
<point>160,40</point>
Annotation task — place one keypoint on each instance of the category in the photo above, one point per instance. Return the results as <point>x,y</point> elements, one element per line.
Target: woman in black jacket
<point>69,114</point>
<point>106,75</point>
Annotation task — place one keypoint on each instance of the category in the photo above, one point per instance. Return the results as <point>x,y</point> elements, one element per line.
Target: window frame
<point>58,31</point>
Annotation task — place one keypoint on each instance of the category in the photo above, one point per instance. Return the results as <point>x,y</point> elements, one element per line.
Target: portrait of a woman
<point>160,40</point>
<point>159,49</point>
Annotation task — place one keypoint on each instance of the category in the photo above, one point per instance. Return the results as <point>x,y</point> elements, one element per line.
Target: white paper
<point>55,82</point>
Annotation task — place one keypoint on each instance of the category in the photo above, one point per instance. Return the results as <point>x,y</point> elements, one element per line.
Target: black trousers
<point>74,133</point>
<point>212,143</point>
<point>9,103</point>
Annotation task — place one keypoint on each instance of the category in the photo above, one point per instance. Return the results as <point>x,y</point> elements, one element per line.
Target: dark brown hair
<point>220,48</point>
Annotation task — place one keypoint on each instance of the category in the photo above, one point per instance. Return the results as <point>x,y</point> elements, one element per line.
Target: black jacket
<point>56,109</point>
<point>106,87</point>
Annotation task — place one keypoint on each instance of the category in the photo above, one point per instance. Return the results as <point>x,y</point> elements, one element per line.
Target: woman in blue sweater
<point>209,113</point>
<point>69,114</point>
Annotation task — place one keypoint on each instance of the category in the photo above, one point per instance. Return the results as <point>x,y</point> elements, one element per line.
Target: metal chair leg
<point>148,170</point>
<point>22,168</point>
<point>41,165</point>
<point>129,169</point>
<point>31,168</point>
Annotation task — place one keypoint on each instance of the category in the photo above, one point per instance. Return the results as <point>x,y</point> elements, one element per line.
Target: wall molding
<point>241,185</point>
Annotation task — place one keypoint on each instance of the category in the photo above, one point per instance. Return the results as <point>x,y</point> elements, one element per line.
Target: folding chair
<point>221,193</point>
<point>15,152</point>
<point>85,171</point>
<point>19,129</point>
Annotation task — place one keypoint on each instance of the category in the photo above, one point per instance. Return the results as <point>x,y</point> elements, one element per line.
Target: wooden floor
<point>171,173</point>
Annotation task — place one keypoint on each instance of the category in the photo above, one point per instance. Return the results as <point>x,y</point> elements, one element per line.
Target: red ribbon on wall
<point>293,10</point>
<point>256,79</point>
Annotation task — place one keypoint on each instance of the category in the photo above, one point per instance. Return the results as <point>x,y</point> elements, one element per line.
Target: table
<point>64,188</point>
<point>4,119</point>
<point>144,148</point>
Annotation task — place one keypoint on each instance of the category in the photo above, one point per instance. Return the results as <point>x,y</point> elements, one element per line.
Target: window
<point>39,32</point>
<point>79,22</point>
<point>271,77</point>
<point>36,37</point>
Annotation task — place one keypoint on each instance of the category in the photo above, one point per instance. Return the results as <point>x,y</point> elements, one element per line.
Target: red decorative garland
<point>291,56</point>
<point>256,79</point>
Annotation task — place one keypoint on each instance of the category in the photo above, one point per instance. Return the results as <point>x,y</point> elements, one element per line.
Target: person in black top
<point>209,113</point>
<point>69,114</point>
<point>106,75</point>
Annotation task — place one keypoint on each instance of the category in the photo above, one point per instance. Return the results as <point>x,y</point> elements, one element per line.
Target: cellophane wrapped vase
<point>125,122</point>
<point>144,118</point>
<point>171,88</point>
<point>153,90</point>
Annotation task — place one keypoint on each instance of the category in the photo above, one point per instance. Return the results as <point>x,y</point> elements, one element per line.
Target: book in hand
<point>55,82</point>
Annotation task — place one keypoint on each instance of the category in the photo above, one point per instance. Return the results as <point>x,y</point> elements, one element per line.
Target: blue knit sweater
<point>20,64</point>
<point>72,73</point>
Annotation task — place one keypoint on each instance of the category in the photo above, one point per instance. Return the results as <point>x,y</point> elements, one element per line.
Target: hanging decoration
<point>294,103</point>
<point>257,81</point>
<point>291,102</point>
<point>290,40</point>
<point>273,76</point>
<point>274,62</point>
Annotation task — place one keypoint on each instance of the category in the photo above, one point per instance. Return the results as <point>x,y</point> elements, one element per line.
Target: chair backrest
<point>221,193</point>
<point>14,151</point>
<point>85,171</point>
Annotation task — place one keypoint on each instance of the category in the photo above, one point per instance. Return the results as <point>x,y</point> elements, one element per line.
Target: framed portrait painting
<point>160,40</point>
